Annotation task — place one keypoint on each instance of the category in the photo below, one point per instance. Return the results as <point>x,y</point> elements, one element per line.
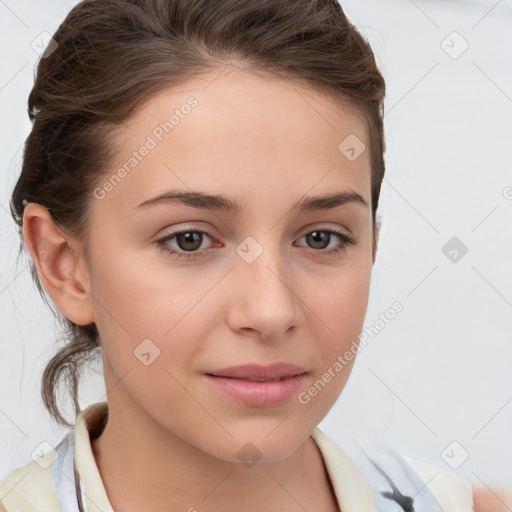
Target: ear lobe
<point>59,268</point>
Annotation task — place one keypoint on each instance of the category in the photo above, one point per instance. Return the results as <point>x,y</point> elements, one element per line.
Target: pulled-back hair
<point>111,55</point>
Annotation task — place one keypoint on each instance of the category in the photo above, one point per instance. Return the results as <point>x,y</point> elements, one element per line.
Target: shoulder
<point>392,478</point>
<point>453,492</point>
<point>29,488</point>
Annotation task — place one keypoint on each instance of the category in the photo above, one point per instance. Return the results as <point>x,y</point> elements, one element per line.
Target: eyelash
<point>162,243</point>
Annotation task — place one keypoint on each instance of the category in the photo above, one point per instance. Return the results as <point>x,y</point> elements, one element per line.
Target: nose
<point>265,294</point>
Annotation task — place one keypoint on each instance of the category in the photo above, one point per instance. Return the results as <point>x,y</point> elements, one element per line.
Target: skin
<point>491,500</point>
<point>172,440</point>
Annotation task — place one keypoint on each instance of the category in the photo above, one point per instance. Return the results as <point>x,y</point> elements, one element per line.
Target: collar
<point>88,421</point>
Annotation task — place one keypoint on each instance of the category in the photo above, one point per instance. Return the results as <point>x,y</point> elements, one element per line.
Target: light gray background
<point>440,371</point>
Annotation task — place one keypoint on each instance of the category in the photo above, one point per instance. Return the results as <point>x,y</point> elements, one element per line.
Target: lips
<point>257,373</point>
<point>258,386</point>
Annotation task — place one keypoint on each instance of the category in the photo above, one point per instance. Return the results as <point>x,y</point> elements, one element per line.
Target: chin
<point>258,444</point>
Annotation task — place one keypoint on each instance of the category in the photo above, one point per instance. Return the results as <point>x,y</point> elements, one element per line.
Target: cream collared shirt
<point>31,487</point>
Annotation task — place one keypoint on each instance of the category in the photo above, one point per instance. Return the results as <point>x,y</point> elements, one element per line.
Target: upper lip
<point>256,371</point>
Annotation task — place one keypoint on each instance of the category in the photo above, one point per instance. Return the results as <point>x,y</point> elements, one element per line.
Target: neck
<point>145,467</point>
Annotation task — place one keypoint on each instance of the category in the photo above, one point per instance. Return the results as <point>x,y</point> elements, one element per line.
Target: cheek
<point>135,302</point>
<point>341,309</point>
<point>336,320</point>
<point>341,314</point>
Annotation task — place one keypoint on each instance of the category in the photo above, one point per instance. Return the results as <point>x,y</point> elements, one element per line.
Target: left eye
<point>189,242</point>
<point>320,236</point>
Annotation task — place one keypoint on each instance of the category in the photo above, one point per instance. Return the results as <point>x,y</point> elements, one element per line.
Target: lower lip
<point>258,394</point>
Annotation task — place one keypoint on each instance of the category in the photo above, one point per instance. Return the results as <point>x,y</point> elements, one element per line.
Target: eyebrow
<point>222,203</point>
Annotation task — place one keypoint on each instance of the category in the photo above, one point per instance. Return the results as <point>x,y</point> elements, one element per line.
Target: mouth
<point>251,380</point>
<point>258,373</point>
<point>258,386</point>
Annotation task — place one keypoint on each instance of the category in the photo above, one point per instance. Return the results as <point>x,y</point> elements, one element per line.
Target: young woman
<point>198,196</point>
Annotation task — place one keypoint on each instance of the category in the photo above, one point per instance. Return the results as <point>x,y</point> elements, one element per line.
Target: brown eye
<point>319,239</point>
<point>187,242</point>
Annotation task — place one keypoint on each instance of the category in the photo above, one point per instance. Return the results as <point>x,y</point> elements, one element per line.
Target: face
<point>185,288</point>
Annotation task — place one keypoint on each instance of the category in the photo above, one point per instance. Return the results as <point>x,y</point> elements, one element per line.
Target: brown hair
<point>112,55</point>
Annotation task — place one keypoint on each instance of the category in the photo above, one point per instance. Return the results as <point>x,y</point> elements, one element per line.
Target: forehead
<point>233,129</point>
